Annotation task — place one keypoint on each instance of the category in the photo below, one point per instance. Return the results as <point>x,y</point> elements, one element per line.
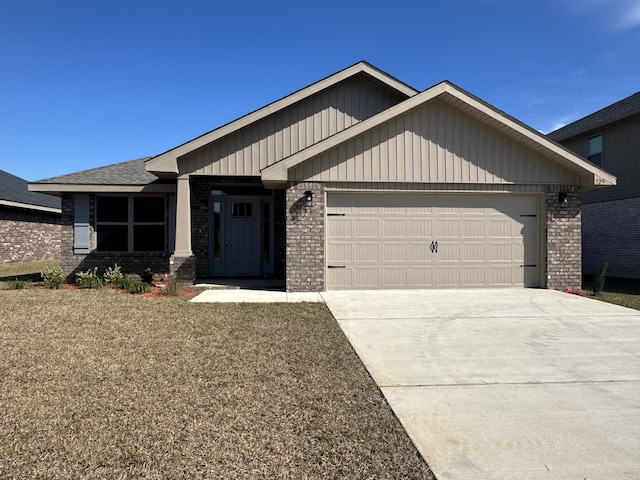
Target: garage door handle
<point>336,266</point>
<point>434,247</point>
<point>528,265</point>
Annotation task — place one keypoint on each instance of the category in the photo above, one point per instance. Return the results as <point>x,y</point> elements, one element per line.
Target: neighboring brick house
<point>29,222</point>
<point>610,138</point>
<point>356,181</point>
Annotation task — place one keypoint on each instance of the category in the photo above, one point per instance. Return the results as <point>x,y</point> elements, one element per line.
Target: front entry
<point>241,234</point>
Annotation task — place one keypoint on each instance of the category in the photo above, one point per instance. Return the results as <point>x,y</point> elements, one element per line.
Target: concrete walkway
<point>254,296</point>
<point>504,384</point>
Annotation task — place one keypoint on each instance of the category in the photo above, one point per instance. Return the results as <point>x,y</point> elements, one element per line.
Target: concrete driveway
<point>504,384</point>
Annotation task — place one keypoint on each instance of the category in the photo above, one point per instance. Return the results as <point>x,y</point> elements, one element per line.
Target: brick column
<point>305,238</point>
<point>564,242</point>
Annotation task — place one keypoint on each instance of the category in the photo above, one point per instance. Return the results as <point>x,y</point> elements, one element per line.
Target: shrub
<point>137,286</point>
<point>89,279</point>
<point>147,276</point>
<point>52,277</point>
<point>598,282</point>
<point>173,287</point>
<point>114,276</point>
<point>18,284</point>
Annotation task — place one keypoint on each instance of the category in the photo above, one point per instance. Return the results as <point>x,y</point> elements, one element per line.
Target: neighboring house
<point>610,138</point>
<point>29,222</point>
<point>356,181</point>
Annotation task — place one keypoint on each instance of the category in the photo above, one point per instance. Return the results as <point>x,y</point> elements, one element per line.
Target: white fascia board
<point>84,188</point>
<point>167,162</point>
<point>28,206</point>
<point>278,172</point>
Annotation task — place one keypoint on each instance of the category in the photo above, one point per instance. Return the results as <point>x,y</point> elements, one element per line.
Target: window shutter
<point>81,230</point>
<point>172,223</point>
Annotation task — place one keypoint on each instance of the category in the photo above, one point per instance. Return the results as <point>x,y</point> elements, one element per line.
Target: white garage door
<point>415,241</point>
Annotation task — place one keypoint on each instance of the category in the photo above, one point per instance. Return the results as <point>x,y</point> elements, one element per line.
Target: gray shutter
<point>81,230</point>
<point>172,223</point>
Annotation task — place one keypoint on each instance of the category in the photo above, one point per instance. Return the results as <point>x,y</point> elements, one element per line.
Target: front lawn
<point>101,384</point>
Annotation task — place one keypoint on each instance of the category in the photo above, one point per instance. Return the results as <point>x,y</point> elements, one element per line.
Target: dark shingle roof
<point>617,111</point>
<point>124,173</point>
<point>14,189</point>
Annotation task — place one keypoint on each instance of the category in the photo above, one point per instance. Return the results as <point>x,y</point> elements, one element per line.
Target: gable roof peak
<point>166,165</point>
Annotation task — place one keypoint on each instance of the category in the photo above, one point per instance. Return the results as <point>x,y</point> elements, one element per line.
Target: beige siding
<point>434,143</point>
<point>290,130</point>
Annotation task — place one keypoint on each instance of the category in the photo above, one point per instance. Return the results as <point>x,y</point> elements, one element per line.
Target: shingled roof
<point>131,172</point>
<point>617,111</point>
<point>13,192</point>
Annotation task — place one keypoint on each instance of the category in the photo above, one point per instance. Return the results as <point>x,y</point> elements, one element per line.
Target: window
<point>130,224</point>
<point>594,150</point>
<point>241,209</point>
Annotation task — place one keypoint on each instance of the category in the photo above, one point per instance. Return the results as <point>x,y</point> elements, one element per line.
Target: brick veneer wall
<point>200,188</point>
<point>611,233</point>
<point>130,263</point>
<point>305,238</point>
<point>280,233</point>
<point>564,251</point>
<point>27,235</point>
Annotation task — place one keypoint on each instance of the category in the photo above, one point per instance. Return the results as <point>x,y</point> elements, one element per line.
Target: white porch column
<point>183,218</point>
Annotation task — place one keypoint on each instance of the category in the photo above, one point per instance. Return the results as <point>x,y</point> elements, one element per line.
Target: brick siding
<point>200,191</point>
<point>305,238</point>
<point>27,235</point>
<point>564,250</point>
<point>611,233</point>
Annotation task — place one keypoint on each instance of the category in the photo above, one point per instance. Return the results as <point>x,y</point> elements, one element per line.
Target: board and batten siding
<point>247,151</point>
<point>435,142</point>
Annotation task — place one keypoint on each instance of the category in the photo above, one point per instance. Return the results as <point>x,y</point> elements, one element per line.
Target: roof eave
<point>29,206</point>
<point>100,188</point>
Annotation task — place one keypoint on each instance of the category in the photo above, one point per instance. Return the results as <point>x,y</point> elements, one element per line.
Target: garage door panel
<point>473,253</point>
<point>340,252</point>
<point>420,228</point>
<point>447,228</point>
<point>340,228</point>
<point>420,276</point>
<point>366,276</point>
<point>395,276</point>
<point>365,228</point>
<point>400,241</point>
<point>394,228</point>
<point>394,252</point>
<point>419,253</point>
<point>447,253</point>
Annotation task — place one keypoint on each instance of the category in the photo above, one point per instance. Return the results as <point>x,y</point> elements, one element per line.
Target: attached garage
<point>438,240</point>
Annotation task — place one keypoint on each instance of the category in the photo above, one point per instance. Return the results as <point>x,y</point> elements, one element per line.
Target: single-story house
<point>610,138</point>
<point>29,222</point>
<point>356,181</point>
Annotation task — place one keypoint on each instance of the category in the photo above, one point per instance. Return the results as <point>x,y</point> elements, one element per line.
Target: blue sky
<point>86,83</point>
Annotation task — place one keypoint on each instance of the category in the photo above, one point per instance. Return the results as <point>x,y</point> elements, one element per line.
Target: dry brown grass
<point>97,384</point>
<point>29,271</point>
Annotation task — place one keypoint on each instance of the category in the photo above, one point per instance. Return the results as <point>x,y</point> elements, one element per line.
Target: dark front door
<point>241,240</point>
